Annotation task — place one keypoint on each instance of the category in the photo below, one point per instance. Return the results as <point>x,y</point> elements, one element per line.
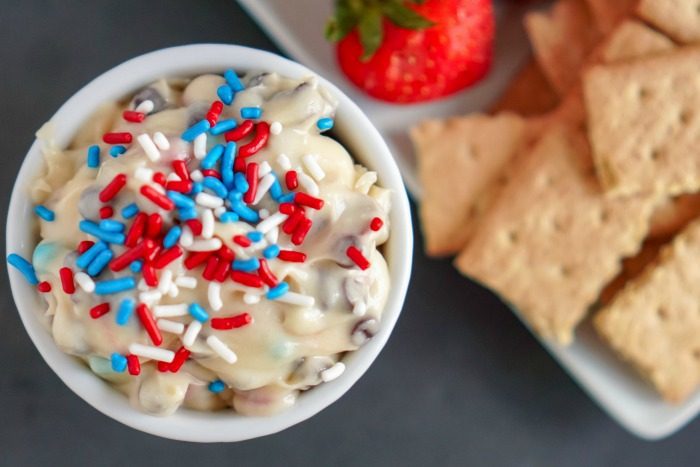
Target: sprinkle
<point>324,123</point>
<point>133,364</point>
<point>143,174</point>
<point>186,281</point>
<point>98,264</point>
<point>136,266</point>
<point>293,221</point>
<point>223,126</point>
<point>251,112</point>
<point>180,200</point>
<point>181,357</point>
<point>117,138</point>
<point>149,147</point>
<point>44,287</point>
<point>212,157</point>
<point>221,349</point>
<point>233,81</point>
<point>242,240</point>
<point>196,176</point>
<point>246,265</point>
<point>275,128</point>
<point>149,325</point>
<point>240,132</point>
<point>93,156</point>
<point>304,199</point>
<point>195,130</point>
<point>240,182</point>
<point>290,179</point>
<point>277,291</point>
<point>357,257</point>
<point>294,298</point>
<point>376,224</point>
<point>169,311</point>
<point>251,299</point>
<point>266,275</point>
<point>180,168</point>
<point>100,310</point>
<point>88,257</point>
<point>271,222</point>
<point>180,186</point>
<point>172,327</point>
<point>161,141</point>
<point>215,185</point>
<point>333,372</point>
<point>167,257</point>
<point>222,270</point>
<point>231,322</point>
<point>263,186</point>
<point>130,211</point>
<point>154,353</point>
<point>292,256</point>
<point>284,162</point>
<point>112,188</point>
<point>227,164</point>
<point>205,245</point>
<point>209,272</point>
<point>255,236</point>
<point>214,296</point>
<point>197,259</point>
<point>244,278</point>
<point>273,235</point>
<point>287,198</point>
<point>174,291</point>
<point>262,134</point>
<point>301,231</point>
<point>165,281</point>
<point>312,165</point>
<point>116,151</point>
<point>225,93</point>
<point>45,213</point>
<point>251,173</point>
<point>187,214</point>
<point>308,184</point>
<point>118,362</point>
<point>146,106</point>
<point>200,146</point>
<point>149,275</point>
<point>131,255</point>
<point>84,246</point>
<point>208,223</point>
<point>208,201</point>
<point>228,217</point>
<point>67,283</point>
<point>113,286</point>
<point>106,212</point>
<point>271,252</point>
<point>136,230</point>
<point>172,237</point>
<point>187,237</point>
<point>191,333</point>
<point>216,386</point>
<point>214,112</point>
<point>125,310</point>
<point>157,198</point>
<point>110,225</point>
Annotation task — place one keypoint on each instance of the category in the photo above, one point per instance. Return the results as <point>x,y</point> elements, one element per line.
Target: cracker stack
<point>562,210</point>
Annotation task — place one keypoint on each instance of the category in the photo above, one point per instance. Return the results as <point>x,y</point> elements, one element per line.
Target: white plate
<point>297,28</point>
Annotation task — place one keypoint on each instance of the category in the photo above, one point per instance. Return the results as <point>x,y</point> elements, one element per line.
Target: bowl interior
<point>353,129</point>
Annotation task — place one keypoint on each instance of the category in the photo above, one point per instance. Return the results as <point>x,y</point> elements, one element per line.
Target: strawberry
<point>406,51</point>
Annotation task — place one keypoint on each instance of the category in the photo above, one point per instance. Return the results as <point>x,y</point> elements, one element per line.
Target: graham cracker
<point>654,323</point>
<point>632,267</point>
<point>673,214</point>
<point>643,123</point>
<point>633,39</point>
<point>529,93</point>
<point>608,13</point>
<point>680,19</point>
<point>553,239</point>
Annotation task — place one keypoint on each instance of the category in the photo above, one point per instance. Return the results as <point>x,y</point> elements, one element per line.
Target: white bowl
<point>356,133</point>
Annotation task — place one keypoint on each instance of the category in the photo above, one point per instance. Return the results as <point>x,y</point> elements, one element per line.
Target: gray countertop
<point>461,382</point>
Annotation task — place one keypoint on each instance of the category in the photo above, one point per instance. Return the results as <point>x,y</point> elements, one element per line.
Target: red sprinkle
<point>197,258</point>
<point>149,324</point>
<point>211,173</point>
<point>44,287</point>
<point>376,224</point>
<point>149,275</point>
<point>292,256</point>
<point>240,132</point>
<point>67,280</point>
<point>287,208</point>
<point>99,310</point>
<point>84,246</point>
<point>293,221</point>
<point>300,232</point>
<point>179,186</point>
<point>291,180</point>
<point>131,255</point>
<point>106,212</point>
<point>133,364</point>
<point>239,165</point>
<point>195,226</point>
<point>357,257</point>
<point>157,198</point>
<point>222,270</point>
<point>214,112</point>
<point>242,240</point>
<point>159,178</point>
<point>251,280</point>
<point>180,168</point>
<point>226,253</point>
<point>163,366</point>
<point>231,322</point>
<point>262,134</point>
<point>133,116</point>
<point>136,230</point>
<point>152,253</point>
<point>167,257</point>
<point>154,224</point>
<point>117,138</point>
<point>181,356</point>
<point>210,269</point>
<point>265,273</point>
<point>251,174</point>
<point>112,188</point>
<point>306,199</point>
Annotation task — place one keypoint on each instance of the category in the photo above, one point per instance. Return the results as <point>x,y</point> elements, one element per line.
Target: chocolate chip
<point>364,330</point>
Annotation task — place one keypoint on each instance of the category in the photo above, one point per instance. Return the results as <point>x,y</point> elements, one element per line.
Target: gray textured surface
<point>461,382</point>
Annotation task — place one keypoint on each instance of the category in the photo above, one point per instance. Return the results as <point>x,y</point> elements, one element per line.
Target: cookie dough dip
<point>204,244</point>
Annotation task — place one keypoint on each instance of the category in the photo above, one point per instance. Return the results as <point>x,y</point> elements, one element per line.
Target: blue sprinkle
<point>223,126</point>
<point>118,362</point>
<point>195,130</point>
<point>232,80</point>
<point>277,291</point>
<point>112,286</point>
<point>225,93</point>
<point>98,264</point>
<point>246,265</point>
<point>227,164</point>
<point>44,212</point>
<point>255,236</point>
<point>212,157</point>
<point>90,254</point>
<point>136,266</point>
<point>251,112</point>
<point>240,182</point>
<point>93,157</point>
<point>126,309</point>
<point>228,216</point>
<point>172,237</point>
<point>215,185</point>
<point>216,386</point>
<point>110,225</point>
<point>93,229</point>
<point>325,123</point>
<point>235,196</point>
<point>245,212</point>
<point>288,198</point>
<point>23,266</point>
<point>276,190</point>
<point>187,213</point>
<point>180,200</point>
<point>198,312</point>
<point>271,252</point>
<point>197,187</point>
<point>116,151</point>
<point>130,211</point>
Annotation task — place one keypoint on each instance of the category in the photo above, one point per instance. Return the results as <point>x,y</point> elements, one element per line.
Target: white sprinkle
<point>150,296</point>
<point>173,291</point>
<point>165,281</point>
<point>146,106</point>
<point>172,177</point>
<point>365,182</point>
<point>219,211</point>
<point>284,162</point>
<point>149,147</point>
<point>207,223</point>
<point>143,174</point>
<point>294,298</point>
<point>271,222</point>
<point>186,238</point>
<point>85,282</point>
<point>208,201</point>
<point>143,286</point>
<point>214,296</point>
<point>264,169</point>
<point>172,327</point>
<point>168,311</point>
<point>307,183</point>
<point>251,298</point>
<point>276,128</point>
<point>311,164</point>
<point>221,349</point>
<point>154,353</point>
<point>200,146</point>
<point>273,235</point>
<point>359,309</point>
<point>196,175</point>
<point>205,245</point>
<point>186,282</point>
<point>264,213</point>
<point>263,187</point>
<point>161,141</point>
<point>191,333</point>
<point>333,372</point>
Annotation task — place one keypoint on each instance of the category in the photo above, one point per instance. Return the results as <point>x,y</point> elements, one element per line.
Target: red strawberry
<point>407,51</point>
